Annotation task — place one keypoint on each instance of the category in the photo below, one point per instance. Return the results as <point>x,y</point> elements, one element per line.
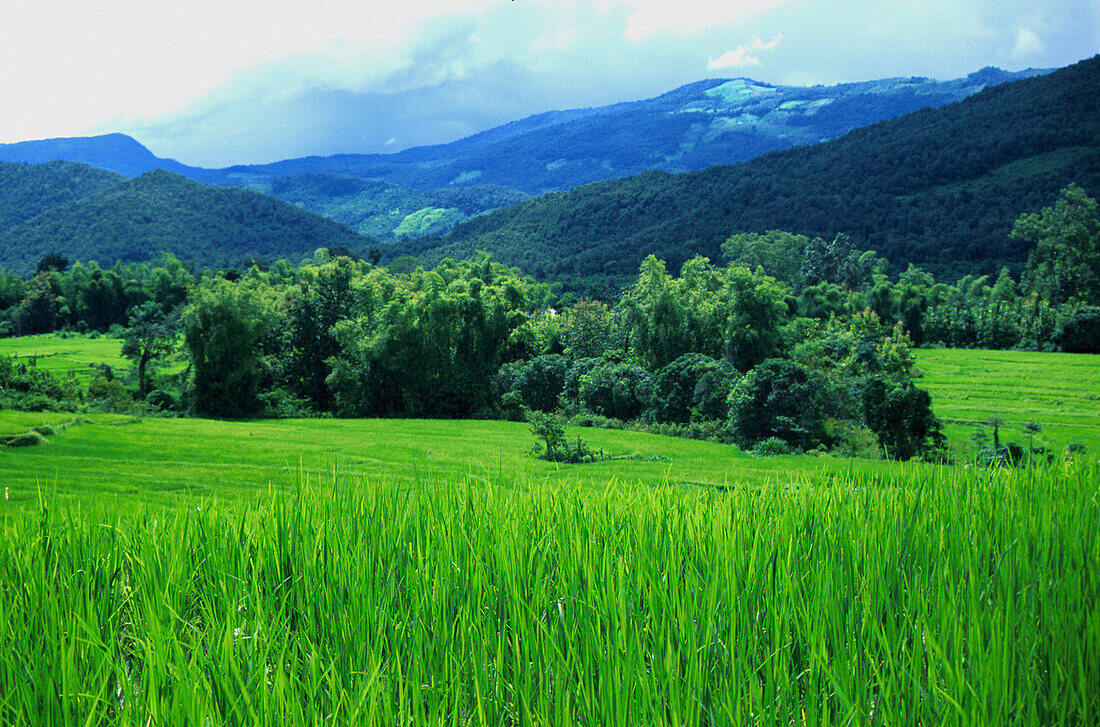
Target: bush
<point>1080,333</point>
<point>782,399</point>
<point>770,447</point>
<point>676,393</point>
<point>540,382</point>
<point>550,428</point>
<point>617,390</point>
<point>901,417</point>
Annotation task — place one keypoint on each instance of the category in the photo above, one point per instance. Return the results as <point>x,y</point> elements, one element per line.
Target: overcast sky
<point>218,82</point>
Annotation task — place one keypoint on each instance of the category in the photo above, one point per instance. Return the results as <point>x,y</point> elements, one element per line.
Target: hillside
<point>164,212</point>
<point>718,121</point>
<point>938,187</point>
<point>114,152</point>
<point>384,210</point>
<point>27,190</point>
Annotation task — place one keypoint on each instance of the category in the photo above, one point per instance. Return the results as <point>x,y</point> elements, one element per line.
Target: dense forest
<point>938,187</point>
<point>796,343</point>
<point>88,214</point>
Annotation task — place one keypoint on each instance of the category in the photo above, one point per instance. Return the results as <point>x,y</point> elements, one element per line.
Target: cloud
<point>686,17</point>
<point>1027,44</point>
<point>740,56</point>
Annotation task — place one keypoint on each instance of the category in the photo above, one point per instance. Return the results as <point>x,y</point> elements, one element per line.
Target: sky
<point>220,82</point>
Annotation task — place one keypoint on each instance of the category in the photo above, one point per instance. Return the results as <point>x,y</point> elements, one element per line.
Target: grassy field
<point>1060,391</point>
<point>341,572</point>
<point>66,356</point>
<point>118,462</point>
<point>956,596</point>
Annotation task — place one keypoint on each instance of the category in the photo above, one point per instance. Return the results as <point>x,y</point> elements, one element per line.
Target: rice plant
<point>924,596</point>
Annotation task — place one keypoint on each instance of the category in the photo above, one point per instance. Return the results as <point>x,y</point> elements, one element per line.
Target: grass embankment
<point>948,596</point>
<point>1060,391</point>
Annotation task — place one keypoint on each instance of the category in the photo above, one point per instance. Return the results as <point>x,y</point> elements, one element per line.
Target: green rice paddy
<point>408,572</point>
<point>1060,391</point>
<point>76,356</point>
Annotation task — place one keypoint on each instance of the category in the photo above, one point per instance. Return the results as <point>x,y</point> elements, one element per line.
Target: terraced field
<point>1060,391</point>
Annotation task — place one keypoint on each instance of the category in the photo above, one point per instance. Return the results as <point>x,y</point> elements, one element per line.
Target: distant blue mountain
<point>718,121</point>
<point>115,152</point>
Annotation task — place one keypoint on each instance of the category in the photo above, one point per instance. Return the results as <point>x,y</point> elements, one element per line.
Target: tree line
<point>794,343</point>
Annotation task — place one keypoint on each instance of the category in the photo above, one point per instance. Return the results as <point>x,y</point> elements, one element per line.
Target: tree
<point>901,417</point>
<point>152,336</point>
<point>1065,264</point>
<point>226,327</point>
<point>52,261</point>
<point>779,253</point>
<point>675,387</point>
<point>780,398</point>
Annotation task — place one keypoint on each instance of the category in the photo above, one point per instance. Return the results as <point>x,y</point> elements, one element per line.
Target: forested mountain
<point>27,190</point>
<point>384,210</point>
<point>137,219</point>
<point>938,187</point>
<point>115,152</point>
<point>718,121</point>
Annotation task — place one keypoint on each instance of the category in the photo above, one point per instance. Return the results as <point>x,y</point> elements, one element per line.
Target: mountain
<point>711,122</point>
<point>159,211</point>
<point>718,121</point>
<point>27,190</point>
<point>937,187</point>
<point>115,152</point>
<point>384,210</point>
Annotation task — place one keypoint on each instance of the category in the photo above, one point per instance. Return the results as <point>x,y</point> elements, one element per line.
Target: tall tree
<point>1065,264</point>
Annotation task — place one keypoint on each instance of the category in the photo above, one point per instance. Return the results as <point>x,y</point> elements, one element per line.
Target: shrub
<point>676,385</point>
<point>1080,333</point>
<point>771,447</point>
<point>550,428</point>
<point>618,390</point>
<point>780,398</point>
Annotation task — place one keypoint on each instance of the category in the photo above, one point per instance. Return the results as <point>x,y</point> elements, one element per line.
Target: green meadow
<point>175,571</point>
<point>119,463</point>
<point>1060,391</point>
<point>77,356</point>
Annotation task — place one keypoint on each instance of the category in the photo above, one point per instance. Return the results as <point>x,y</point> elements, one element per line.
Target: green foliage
<point>677,393</point>
<point>733,313</point>
<point>226,326</point>
<point>540,381</point>
<point>779,398</point>
<point>938,187</point>
<point>779,253</point>
<point>901,417</point>
<point>618,390</point>
<point>430,344</point>
<point>1065,262</point>
<point>151,337</point>
<point>1080,332</point>
<point>550,428</point>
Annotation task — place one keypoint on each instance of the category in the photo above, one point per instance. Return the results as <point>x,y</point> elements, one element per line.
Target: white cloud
<point>740,55</point>
<point>1027,44</point>
<point>686,17</point>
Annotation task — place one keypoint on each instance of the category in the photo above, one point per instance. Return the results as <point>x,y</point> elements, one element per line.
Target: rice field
<point>76,356</point>
<point>945,596</point>
<point>410,572</point>
<point>1060,391</point>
